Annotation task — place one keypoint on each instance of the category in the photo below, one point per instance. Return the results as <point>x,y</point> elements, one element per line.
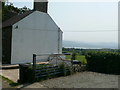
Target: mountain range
<point>89,45</point>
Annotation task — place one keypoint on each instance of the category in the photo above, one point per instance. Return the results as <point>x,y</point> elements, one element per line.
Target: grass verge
<point>11,83</point>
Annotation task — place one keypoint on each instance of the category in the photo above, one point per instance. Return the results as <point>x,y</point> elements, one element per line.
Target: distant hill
<point>89,45</point>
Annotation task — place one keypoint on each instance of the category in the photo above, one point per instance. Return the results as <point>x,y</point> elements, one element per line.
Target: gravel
<point>80,80</point>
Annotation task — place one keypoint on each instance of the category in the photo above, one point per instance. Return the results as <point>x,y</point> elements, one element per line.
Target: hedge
<point>103,61</point>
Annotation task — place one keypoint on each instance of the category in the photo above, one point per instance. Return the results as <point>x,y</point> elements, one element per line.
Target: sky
<point>83,21</point>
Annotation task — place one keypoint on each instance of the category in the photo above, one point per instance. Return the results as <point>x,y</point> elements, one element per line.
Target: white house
<point>31,32</point>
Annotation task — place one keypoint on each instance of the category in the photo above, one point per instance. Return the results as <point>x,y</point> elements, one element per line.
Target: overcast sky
<point>84,21</point>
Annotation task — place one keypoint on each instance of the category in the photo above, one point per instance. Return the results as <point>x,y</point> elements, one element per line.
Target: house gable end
<point>37,21</point>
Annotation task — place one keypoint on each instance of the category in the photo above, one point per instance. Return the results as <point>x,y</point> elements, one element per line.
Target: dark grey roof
<point>15,19</point>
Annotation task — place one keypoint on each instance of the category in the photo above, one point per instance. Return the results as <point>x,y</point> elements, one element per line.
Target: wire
<point>94,31</point>
<point>71,31</point>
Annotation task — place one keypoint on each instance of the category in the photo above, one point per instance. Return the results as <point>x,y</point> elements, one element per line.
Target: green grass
<point>11,83</point>
<point>68,57</point>
<point>78,57</point>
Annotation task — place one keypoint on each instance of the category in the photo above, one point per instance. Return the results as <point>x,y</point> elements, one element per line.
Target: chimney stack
<point>41,5</point>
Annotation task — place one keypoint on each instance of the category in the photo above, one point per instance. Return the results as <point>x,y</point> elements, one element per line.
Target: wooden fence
<point>33,72</point>
<point>50,70</point>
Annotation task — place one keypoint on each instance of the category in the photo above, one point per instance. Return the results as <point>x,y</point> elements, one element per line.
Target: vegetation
<point>98,60</point>
<point>73,56</point>
<point>11,83</point>
<point>103,61</point>
<point>81,53</point>
<point>77,54</point>
<point>78,57</point>
<point>8,10</point>
<point>84,51</point>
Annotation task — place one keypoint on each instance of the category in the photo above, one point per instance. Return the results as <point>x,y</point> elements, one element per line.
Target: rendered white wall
<point>36,33</point>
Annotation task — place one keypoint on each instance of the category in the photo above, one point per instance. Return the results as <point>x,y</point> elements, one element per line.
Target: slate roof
<point>15,19</point>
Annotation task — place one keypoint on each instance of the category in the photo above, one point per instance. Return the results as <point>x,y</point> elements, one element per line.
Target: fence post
<point>34,64</point>
<point>64,69</point>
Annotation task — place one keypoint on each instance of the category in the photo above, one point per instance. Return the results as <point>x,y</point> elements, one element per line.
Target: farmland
<point>97,60</point>
<point>78,57</point>
<point>80,53</point>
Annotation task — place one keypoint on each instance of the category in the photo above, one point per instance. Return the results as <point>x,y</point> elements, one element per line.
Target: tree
<point>9,11</point>
<point>24,9</point>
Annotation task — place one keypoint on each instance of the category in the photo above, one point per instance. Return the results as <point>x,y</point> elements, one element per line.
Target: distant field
<point>78,57</point>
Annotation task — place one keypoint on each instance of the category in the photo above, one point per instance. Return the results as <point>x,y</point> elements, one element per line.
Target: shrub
<point>65,69</point>
<point>104,62</point>
<point>73,56</point>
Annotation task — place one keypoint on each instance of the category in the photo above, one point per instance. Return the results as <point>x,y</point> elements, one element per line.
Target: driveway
<point>79,80</point>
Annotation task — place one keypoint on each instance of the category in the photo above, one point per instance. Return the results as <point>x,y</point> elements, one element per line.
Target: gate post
<point>34,60</point>
<point>34,64</point>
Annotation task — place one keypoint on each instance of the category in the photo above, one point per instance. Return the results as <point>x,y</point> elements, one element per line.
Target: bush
<point>104,62</point>
<point>65,69</point>
<point>73,56</point>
